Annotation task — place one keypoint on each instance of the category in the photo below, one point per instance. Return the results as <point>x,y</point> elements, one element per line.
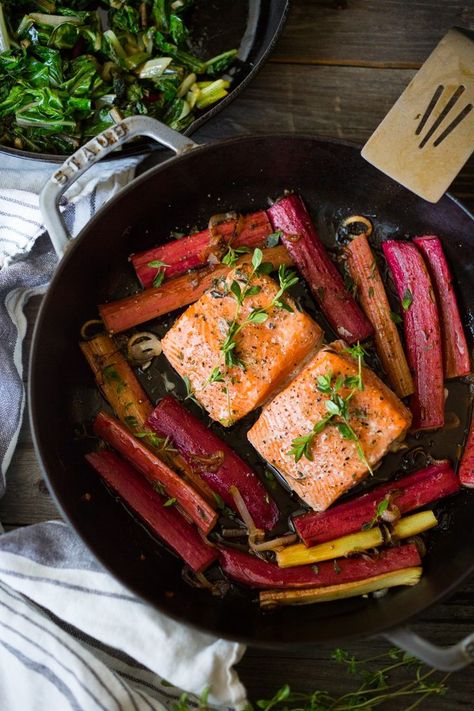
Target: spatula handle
<point>449,659</point>
<point>90,153</point>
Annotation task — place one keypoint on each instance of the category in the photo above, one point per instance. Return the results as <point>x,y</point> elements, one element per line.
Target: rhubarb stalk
<point>219,466</point>
<point>117,381</point>
<point>364,271</point>
<point>422,332</point>
<point>257,573</point>
<point>309,254</point>
<point>165,521</point>
<point>455,350</point>
<point>176,293</point>
<point>299,554</point>
<point>155,470</point>
<point>275,598</point>
<point>407,494</point>
<point>197,250</point>
<point>125,395</point>
<point>466,468</point>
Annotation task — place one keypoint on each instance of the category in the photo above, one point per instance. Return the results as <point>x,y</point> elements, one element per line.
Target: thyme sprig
<point>160,271</point>
<point>286,278</point>
<point>382,506</point>
<point>397,677</point>
<point>232,255</point>
<point>337,406</point>
<point>190,392</point>
<point>376,687</point>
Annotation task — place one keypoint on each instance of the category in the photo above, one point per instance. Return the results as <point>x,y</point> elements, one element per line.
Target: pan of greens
<point>71,68</point>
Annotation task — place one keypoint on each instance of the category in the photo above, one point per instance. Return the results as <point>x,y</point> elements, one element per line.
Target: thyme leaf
<point>337,407</point>
<point>160,271</point>
<point>286,278</point>
<point>407,299</point>
<point>232,255</point>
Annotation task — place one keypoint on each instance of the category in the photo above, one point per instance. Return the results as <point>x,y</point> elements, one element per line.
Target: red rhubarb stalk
<point>455,350</point>
<point>309,254</point>
<point>466,468</point>
<point>155,470</point>
<point>257,573</point>
<point>165,521</point>
<point>409,493</point>
<point>422,332</point>
<point>219,466</point>
<point>175,293</point>
<point>194,250</point>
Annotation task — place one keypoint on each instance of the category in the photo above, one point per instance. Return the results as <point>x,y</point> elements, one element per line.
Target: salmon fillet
<point>270,351</point>
<point>376,415</point>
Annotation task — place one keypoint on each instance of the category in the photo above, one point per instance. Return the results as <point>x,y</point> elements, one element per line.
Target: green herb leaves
<point>384,681</point>
<point>160,273</point>
<point>216,376</point>
<point>407,299</point>
<point>273,240</point>
<point>189,392</point>
<point>229,345</point>
<point>242,288</point>
<point>337,407</point>
<point>232,256</point>
<point>358,353</point>
<point>111,376</point>
<point>301,446</point>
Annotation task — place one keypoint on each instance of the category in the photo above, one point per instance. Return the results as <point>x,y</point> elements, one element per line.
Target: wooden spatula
<point>428,135</point>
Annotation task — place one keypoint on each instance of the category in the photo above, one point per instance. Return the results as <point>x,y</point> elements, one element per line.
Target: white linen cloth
<point>71,636</point>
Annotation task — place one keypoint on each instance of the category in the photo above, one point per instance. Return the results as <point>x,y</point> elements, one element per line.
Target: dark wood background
<point>336,71</point>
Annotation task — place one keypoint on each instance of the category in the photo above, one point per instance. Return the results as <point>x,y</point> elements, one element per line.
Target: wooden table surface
<point>335,72</point>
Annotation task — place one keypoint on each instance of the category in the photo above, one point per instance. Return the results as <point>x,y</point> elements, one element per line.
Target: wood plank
<point>392,33</point>
<point>332,102</point>
<point>345,103</point>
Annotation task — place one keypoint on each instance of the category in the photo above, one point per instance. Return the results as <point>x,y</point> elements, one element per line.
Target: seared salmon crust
<point>270,351</point>
<point>377,417</point>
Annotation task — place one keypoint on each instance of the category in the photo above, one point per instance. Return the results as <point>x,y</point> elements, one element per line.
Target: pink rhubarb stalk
<point>455,350</point>
<point>219,466</point>
<point>164,521</point>
<point>466,468</point>
<point>155,470</point>
<point>195,250</point>
<point>310,256</point>
<point>408,493</point>
<point>257,573</point>
<point>422,332</point>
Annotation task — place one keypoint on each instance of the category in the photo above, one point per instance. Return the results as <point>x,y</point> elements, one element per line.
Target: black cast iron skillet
<point>238,174</point>
<point>253,26</point>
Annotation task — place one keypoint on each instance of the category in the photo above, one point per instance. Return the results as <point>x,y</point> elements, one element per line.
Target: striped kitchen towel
<point>71,636</point>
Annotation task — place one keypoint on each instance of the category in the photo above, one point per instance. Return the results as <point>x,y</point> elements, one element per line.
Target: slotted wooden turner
<point>428,135</point>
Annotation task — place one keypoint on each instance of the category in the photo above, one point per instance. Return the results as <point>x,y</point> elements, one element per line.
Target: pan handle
<point>448,659</point>
<point>90,153</point>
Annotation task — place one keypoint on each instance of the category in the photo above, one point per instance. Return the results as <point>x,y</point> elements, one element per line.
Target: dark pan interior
<point>252,26</point>
<point>239,174</point>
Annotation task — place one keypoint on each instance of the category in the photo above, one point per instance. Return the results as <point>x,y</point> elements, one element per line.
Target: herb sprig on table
<point>397,677</point>
<point>69,70</point>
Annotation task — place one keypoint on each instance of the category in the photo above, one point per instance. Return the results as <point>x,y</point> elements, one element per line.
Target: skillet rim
<point>400,619</point>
